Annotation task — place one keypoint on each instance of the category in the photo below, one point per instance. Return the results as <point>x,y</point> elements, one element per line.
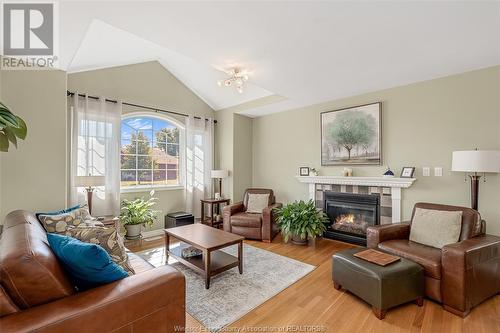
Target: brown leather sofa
<point>460,275</point>
<point>36,294</point>
<point>252,225</point>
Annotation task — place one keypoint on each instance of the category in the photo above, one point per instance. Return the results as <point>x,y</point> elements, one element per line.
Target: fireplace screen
<point>351,219</point>
<point>351,214</point>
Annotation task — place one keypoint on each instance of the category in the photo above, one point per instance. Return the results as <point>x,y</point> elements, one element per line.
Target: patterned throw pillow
<point>108,238</point>
<point>61,222</point>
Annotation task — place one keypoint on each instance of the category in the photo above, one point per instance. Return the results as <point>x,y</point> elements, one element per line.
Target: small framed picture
<point>304,171</point>
<point>407,172</point>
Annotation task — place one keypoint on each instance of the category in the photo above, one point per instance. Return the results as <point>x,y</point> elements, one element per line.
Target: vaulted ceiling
<point>299,53</point>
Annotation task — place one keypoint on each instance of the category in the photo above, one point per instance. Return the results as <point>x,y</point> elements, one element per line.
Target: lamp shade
<point>219,173</point>
<point>89,181</point>
<point>476,161</point>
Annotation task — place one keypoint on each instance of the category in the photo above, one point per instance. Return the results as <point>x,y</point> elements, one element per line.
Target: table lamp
<point>90,183</point>
<point>219,174</point>
<point>473,162</point>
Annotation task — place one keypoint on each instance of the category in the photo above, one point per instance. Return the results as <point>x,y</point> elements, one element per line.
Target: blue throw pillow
<point>88,265</point>
<point>58,212</point>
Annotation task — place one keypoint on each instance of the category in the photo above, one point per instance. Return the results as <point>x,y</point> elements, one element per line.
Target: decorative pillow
<point>257,202</point>
<point>61,222</point>
<point>59,212</point>
<point>108,238</point>
<point>88,265</point>
<point>435,228</point>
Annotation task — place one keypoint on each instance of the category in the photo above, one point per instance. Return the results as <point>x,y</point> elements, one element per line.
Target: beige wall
<point>33,177</point>
<point>234,152</point>
<point>151,85</point>
<point>242,154</point>
<point>422,124</point>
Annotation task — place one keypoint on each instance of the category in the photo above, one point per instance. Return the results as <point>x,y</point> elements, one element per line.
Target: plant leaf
<point>4,142</point>
<point>22,130</point>
<point>10,135</point>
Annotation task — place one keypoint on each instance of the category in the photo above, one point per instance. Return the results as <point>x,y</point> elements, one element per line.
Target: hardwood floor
<point>314,302</point>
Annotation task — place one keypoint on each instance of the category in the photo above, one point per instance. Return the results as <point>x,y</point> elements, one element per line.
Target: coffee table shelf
<point>219,260</point>
<point>209,240</point>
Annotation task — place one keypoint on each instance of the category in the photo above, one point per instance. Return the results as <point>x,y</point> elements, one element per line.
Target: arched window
<point>151,150</point>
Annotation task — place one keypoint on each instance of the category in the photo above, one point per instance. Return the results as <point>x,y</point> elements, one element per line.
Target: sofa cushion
<point>89,265</point>
<point>257,202</point>
<point>7,306</point>
<point>29,271</point>
<point>435,228</point>
<point>246,220</point>
<point>426,256</point>
<point>138,264</point>
<point>108,238</point>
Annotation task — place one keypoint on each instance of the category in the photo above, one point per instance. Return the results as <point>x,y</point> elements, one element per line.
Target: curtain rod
<point>69,93</point>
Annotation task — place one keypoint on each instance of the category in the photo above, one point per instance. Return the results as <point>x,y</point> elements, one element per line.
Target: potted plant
<point>12,128</point>
<point>136,213</point>
<point>301,220</point>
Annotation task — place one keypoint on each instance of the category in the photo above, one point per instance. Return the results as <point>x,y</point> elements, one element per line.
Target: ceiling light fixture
<point>236,78</point>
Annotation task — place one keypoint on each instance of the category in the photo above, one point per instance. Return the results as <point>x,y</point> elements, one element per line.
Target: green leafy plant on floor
<point>12,128</point>
<point>302,219</point>
<point>138,211</point>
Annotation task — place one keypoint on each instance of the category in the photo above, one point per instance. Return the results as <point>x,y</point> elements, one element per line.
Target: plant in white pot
<point>301,221</point>
<point>137,213</point>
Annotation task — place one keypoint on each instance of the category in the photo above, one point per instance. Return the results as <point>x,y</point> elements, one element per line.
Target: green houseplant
<point>12,128</point>
<point>136,213</point>
<point>301,221</point>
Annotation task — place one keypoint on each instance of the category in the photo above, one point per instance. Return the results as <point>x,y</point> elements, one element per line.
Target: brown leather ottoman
<point>382,287</point>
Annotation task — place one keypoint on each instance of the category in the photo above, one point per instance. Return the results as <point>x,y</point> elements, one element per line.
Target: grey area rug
<point>232,295</point>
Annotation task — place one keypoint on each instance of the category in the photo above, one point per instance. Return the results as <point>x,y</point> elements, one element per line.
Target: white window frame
<point>182,154</point>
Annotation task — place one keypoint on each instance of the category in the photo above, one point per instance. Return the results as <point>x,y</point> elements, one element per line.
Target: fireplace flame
<point>347,218</point>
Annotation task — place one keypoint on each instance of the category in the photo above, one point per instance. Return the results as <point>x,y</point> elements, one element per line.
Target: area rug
<point>232,295</point>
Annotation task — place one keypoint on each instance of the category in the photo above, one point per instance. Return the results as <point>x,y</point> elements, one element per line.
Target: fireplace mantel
<point>394,183</point>
<point>366,181</point>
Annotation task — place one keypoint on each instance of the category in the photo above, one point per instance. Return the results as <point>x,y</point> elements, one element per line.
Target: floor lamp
<point>474,163</point>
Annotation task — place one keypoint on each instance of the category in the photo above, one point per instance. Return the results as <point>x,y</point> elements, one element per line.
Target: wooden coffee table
<point>210,241</point>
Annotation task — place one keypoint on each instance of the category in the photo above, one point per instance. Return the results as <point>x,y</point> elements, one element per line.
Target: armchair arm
<point>470,272</point>
<point>131,304</point>
<point>229,210</point>
<point>381,233</point>
<point>269,227</point>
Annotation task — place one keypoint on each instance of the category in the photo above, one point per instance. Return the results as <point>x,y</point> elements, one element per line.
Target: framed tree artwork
<point>352,136</point>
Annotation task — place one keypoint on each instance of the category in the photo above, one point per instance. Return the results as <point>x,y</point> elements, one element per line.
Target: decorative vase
<point>133,231</point>
<point>298,241</point>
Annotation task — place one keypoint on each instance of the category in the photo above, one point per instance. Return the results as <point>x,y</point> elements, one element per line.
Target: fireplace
<point>350,214</point>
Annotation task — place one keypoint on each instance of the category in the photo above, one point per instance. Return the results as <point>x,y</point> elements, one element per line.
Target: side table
<point>212,203</point>
<point>110,221</point>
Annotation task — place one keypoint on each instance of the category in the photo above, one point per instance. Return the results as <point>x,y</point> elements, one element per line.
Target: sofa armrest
<point>269,227</point>
<point>470,272</point>
<point>150,301</point>
<point>229,210</point>
<point>381,233</point>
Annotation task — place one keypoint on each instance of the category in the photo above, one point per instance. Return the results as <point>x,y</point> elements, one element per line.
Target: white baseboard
<point>153,233</point>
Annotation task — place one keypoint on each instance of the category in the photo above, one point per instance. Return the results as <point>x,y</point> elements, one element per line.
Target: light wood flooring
<point>313,304</point>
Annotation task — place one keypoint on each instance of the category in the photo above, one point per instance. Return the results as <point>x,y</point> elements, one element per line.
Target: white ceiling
<point>307,52</point>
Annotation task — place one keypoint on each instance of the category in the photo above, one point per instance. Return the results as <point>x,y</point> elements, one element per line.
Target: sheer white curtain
<point>199,162</point>
<point>95,151</point>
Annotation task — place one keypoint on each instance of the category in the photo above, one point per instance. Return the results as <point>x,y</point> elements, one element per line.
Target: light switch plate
<point>426,171</point>
<point>438,171</point>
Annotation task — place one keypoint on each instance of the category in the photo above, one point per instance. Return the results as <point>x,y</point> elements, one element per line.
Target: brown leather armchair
<point>252,225</point>
<point>460,275</point>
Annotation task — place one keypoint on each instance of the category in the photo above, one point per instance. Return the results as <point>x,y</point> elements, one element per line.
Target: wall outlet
<point>438,171</point>
<point>426,171</point>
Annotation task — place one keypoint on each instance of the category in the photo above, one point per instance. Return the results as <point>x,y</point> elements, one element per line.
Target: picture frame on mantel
<point>352,136</point>
<point>304,171</point>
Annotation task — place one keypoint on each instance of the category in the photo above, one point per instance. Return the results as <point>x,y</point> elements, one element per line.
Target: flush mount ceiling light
<point>236,78</point>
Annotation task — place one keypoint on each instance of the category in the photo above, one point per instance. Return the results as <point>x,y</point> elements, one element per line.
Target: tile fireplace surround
<point>388,188</point>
